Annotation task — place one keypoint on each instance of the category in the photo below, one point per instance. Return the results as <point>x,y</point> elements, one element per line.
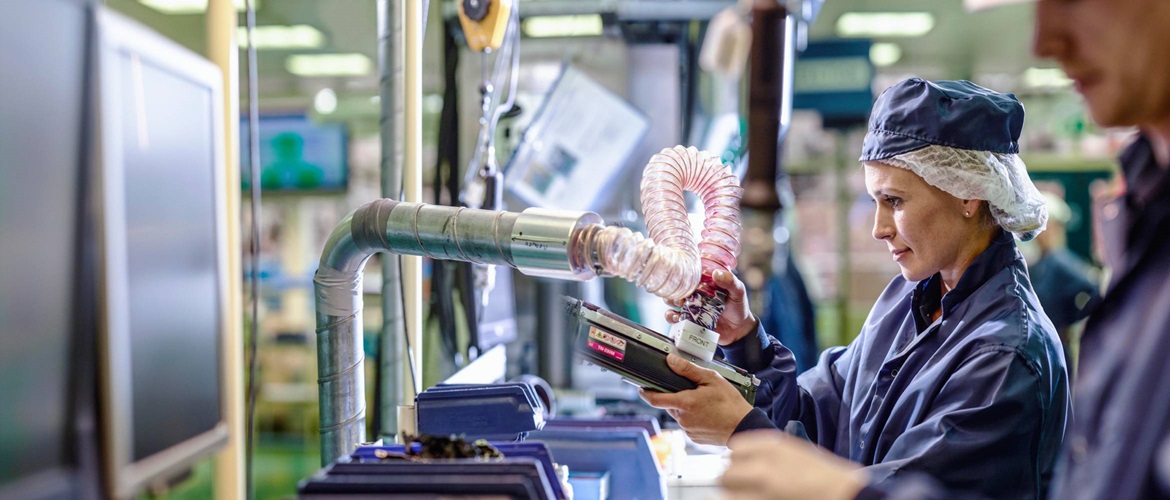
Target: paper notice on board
<point>576,147</point>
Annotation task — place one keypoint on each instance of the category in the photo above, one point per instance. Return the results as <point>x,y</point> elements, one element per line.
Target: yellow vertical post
<point>222,50</point>
<point>412,182</point>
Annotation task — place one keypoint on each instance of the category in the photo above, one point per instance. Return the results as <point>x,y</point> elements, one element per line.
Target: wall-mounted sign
<point>835,78</point>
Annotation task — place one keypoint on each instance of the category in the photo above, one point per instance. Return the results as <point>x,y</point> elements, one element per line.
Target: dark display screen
<point>171,244</point>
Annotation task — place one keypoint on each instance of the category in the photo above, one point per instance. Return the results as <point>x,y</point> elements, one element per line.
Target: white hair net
<point>1000,179</point>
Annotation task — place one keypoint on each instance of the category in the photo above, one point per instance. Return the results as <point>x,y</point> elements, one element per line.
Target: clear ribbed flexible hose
<point>670,264</point>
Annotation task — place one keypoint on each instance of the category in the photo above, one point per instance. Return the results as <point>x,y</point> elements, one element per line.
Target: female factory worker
<point>957,372</point>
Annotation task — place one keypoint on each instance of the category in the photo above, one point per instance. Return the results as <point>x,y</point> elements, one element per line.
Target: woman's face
<point>923,227</point>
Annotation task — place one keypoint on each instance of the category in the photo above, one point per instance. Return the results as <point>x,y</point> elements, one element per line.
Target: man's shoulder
<point>1072,267</point>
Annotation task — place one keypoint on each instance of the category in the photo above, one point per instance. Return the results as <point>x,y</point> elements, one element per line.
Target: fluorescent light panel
<point>189,6</point>
<point>884,54</point>
<point>328,65</point>
<point>973,5</point>
<point>1046,77</point>
<point>884,24</point>
<point>562,26</point>
<point>301,36</point>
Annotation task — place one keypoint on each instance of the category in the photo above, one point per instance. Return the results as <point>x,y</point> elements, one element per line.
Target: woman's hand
<point>708,413</point>
<point>774,465</point>
<point>737,321</point>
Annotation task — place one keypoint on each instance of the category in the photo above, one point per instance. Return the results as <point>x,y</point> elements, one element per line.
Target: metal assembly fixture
<point>537,242</point>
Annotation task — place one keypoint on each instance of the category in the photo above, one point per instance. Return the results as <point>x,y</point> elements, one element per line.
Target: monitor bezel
<point>124,476</point>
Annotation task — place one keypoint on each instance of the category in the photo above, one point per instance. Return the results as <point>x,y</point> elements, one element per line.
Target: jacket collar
<point>1144,178</point>
<point>1133,232</point>
<point>927,295</point>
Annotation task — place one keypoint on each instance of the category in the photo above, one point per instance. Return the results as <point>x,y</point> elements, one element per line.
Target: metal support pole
<point>412,187</point>
<point>391,346</point>
<point>844,261</point>
<point>223,51</point>
<point>769,95</point>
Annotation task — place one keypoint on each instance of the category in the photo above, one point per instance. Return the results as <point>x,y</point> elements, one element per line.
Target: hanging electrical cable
<point>480,279</point>
<point>493,29</point>
<point>484,183</point>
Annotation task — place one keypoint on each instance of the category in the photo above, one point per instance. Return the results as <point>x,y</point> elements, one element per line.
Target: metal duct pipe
<point>537,242</point>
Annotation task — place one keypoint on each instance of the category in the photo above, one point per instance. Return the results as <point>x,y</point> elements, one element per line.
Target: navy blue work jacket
<point>1119,445</point>
<point>977,399</point>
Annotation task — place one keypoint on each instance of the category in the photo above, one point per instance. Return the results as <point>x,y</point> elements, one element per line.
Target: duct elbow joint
<point>552,243</point>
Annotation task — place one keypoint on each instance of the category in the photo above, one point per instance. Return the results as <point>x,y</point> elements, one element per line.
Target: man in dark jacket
<point>1118,445</point>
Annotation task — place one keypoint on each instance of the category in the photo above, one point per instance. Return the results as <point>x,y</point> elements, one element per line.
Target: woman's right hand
<point>772,464</point>
<point>737,321</point>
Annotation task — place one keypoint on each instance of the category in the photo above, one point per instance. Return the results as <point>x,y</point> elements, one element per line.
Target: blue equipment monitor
<point>298,155</point>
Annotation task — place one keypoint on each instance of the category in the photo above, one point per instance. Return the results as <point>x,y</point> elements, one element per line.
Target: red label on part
<point>607,338</point>
<point>606,350</point>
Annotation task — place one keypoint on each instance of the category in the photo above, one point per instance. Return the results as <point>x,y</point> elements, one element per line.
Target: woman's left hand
<point>708,413</point>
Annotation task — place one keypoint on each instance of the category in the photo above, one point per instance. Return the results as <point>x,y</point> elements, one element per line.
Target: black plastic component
<point>497,412</point>
<point>537,451</point>
<point>638,353</point>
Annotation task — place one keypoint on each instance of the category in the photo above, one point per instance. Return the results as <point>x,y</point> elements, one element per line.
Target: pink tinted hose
<point>670,264</point>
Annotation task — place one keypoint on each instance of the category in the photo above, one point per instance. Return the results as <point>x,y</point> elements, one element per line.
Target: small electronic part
<point>694,341</point>
<point>436,447</point>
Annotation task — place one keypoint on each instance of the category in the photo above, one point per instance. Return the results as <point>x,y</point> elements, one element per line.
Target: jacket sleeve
<point>815,402</point>
<point>985,420</point>
<point>1161,468</point>
<point>912,487</point>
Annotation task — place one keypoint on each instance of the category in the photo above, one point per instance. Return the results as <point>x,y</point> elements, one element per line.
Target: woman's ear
<point>971,208</point>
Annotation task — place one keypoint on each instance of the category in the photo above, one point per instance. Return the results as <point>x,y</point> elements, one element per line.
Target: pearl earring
<point>966,214</point>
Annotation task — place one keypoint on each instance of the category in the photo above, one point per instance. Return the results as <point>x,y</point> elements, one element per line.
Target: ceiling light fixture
<point>301,36</point>
<point>884,54</point>
<point>974,5</point>
<point>189,6</point>
<point>325,102</point>
<point>562,26</point>
<point>1046,78</point>
<point>328,65</point>
<point>884,24</point>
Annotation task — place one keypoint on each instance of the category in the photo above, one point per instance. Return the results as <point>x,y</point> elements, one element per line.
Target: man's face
<point>1115,51</point>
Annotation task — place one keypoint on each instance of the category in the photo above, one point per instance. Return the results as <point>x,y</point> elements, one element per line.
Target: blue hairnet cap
<point>916,113</point>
